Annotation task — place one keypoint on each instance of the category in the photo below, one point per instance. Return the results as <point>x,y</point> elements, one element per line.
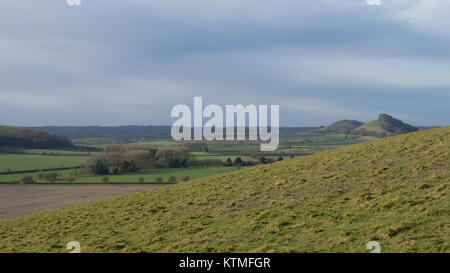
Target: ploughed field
<point>27,199</point>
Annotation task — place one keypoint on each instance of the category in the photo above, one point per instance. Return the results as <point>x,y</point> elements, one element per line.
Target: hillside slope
<point>341,127</point>
<point>394,190</point>
<point>384,126</point>
<point>372,128</point>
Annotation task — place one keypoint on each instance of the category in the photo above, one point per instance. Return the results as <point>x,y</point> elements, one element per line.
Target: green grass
<point>150,176</point>
<point>20,162</point>
<point>158,143</point>
<point>374,126</point>
<point>57,152</point>
<point>220,157</point>
<point>234,148</point>
<point>17,176</point>
<point>394,191</point>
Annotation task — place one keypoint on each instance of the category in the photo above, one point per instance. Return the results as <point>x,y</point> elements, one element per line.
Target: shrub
<point>105,179</point>
<point>70,180</point>
<point>172,179</point>
<point>27,180</point>
<point>159,179</point>
<point>186,178</point>
<point>238,161</point>
<point>51,177</point>
<point>141,180</point>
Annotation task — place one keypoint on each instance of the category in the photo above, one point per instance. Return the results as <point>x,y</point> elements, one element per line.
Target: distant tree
<point>70,180</point>
<point>105,179</point>
<point>41,175</point>
<point>141,180</point>
<point>262,160</point>
<point>172,179</point>
<point>238,161</point>
<point>159,179</point>
<point>229,162</point>
<point>51,177</point>
<point>186,178</point>
<point>27,180</point>
<point>8,170</point>
<point>280,158</point>
<point>100,168</point>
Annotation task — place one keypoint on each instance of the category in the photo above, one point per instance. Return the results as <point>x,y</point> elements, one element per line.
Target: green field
<point>56,152</point>
<point>150,176</point>
<point>234,148</point>
<point>158,143</point>
<point>220,157</point>
<point>394,191</point>
<point>20,162</point>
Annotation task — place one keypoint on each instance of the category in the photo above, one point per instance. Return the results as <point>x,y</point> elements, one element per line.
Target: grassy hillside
<point>394,190</point>
<point>385,125</point>
<point>373,126</point>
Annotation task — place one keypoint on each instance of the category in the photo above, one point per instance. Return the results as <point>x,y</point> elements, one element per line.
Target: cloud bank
<point>115,62</point>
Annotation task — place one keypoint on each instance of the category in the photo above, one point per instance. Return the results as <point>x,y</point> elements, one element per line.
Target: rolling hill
<point>11,136</point>
<point>385,125</point>
<point>341,127</point>
<point>393,190</point>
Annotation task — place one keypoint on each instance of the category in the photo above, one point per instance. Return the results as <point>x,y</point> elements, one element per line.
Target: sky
<point>129,62</point>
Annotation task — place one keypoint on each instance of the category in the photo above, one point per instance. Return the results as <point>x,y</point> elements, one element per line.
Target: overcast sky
<point>128,62</point>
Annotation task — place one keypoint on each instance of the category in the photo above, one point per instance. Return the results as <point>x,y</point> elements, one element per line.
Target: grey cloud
<point>114,62</point>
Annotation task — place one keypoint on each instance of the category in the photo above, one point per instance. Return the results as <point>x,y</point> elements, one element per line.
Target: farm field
<point>21,200</point>
<point>394,190</point>
<point>20,162</point>
<point>223,158</point>
<point>165,173</point>
<point>149,176</point>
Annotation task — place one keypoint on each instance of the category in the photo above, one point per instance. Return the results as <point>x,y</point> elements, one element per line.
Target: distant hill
<point>341,127</point>
<point>371,128</point>
<point>393,191</point>
<point>124,133</point>
<point>11,136</point>
<point>133,132</point>
<point>385,125</point>
<point>394,125</point>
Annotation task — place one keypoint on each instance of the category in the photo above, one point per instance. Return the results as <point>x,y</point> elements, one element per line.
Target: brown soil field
<point>19,200</point>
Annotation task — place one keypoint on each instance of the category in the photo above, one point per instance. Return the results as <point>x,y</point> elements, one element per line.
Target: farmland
<point>21,200</point>
<point>15,163</point>
<point>393,190</point>
<point>151,175</point>
<point>21,162</point>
